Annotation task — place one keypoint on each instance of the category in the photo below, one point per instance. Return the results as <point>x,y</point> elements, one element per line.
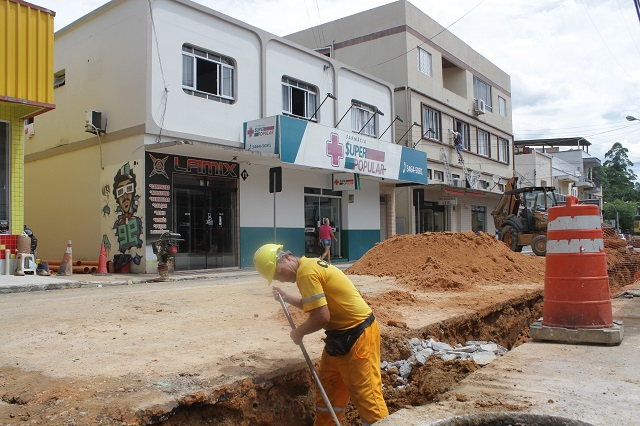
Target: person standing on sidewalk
<point>350,363</point>
<point>326,235</point>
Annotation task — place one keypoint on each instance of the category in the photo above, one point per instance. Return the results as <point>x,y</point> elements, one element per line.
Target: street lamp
<point>632,118</point>
<point>617,215</point>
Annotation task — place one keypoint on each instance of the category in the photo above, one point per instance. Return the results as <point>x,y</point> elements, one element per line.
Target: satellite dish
<point>495,178</point>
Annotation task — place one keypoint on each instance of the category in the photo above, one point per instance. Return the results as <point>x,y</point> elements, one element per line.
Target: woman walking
<point>326,235</point>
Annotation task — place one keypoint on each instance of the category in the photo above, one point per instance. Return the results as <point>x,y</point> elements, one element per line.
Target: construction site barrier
<point>576,287</point>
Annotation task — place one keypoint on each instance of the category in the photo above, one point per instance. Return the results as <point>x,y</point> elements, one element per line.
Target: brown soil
<point>623,262</point>
<point>219,352</point>
<point>448,261</point>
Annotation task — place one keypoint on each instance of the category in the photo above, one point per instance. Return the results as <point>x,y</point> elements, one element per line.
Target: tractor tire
<point>539,245</point>
<point>510,238</point>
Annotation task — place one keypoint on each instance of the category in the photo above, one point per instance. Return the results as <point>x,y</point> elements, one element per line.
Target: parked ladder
<point>443,157</point>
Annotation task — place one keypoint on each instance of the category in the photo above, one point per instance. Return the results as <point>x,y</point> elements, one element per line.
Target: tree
<point>622,210</point>
<point>617,177</point>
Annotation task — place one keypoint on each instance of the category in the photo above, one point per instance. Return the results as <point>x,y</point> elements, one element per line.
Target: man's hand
<point>296,336</point>
<point>278,291</point>
<point>288,298</point>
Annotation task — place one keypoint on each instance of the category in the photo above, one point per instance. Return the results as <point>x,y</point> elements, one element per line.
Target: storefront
<point>196,198</point>
<point>327,173</point>
<point>318,204</point>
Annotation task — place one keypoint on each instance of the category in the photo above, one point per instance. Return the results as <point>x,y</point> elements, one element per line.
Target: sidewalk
<point>14,284</point>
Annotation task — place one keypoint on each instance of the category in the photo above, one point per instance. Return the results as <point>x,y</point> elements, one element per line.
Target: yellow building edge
<point>26,37</point>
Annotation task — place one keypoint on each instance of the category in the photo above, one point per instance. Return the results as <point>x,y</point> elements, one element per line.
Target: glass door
<point>205,215</point>
<point>431,219</point>
<point>315,209</point>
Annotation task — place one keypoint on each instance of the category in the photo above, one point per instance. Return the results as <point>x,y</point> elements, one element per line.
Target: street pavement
<point>590,383</point>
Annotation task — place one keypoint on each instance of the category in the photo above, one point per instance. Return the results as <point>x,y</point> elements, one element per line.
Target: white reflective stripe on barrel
<point>577,222</point>
<point>575,246</point>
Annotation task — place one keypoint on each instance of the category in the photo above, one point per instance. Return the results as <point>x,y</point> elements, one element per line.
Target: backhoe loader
<point>521,216</point>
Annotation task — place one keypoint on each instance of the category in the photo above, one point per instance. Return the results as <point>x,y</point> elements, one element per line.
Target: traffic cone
<point>66,265</point>
<point>102,262</point>
<point>577,302</point>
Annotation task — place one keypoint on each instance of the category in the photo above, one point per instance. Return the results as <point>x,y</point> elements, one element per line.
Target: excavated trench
<point>288,398</point>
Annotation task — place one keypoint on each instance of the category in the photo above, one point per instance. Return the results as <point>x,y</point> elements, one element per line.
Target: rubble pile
<point>448,261</point>
<point>480,352</point>
<point>623,262</point>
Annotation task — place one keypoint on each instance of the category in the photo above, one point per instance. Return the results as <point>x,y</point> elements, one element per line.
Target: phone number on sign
<point>413,169</point>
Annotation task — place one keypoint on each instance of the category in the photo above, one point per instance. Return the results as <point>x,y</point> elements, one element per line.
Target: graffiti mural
<point>127,224</point>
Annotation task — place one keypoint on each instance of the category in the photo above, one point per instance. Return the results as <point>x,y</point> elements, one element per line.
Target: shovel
<point>310,364</point>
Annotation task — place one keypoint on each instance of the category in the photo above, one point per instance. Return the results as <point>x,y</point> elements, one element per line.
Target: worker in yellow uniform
<point>350,363</point>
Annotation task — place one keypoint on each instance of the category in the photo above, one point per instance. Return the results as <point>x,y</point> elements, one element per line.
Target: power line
<point>605,43</point>
<point>429,39</point>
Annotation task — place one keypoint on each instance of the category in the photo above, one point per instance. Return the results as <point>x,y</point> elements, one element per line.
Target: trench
<point>288,398</point>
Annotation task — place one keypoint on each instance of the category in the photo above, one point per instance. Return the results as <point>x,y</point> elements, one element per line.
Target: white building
<point>193,113</point>
<point>441,85</point>
<point>573,167</point>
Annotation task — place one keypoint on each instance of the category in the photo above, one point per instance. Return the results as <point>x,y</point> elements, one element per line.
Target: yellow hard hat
<point>265,260</point>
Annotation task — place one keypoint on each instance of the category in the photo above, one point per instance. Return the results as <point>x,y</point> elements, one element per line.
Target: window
<point>503,150</point>
<point>363,119</point>
<point>207,74</point>
<point>5,170</point>
<point>501,187</point>
<point>483,142</point>
<point>478,218</point>
<point>430,174</point>
<point>438,175</point>
<point>298,98</point>
<point>482,90</point>
<point>431,123</point>
<point>326,51</point>
<point>463,129</point>
<point>59,79</point>
<point>425,62</point>
<point>502,106</point>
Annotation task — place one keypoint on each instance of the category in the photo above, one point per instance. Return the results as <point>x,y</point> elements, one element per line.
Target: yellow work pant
<point>356,375</point>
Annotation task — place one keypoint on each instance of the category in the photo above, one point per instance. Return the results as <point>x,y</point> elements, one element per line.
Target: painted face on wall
<point>124,194</point>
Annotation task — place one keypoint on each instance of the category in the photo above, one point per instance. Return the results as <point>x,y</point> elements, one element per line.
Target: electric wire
<point>315,40</point>
<point>627,25</point>
<point>165,94</point>
<point>603,41</point>
<point>424,42</point>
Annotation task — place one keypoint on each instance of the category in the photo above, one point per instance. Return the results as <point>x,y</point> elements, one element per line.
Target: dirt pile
<point>623,262</point>
<point>448,261</point>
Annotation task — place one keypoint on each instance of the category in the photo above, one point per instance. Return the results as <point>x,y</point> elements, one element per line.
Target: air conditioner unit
<point>479,106</point>
<point>29,130</point>
<point>93,123</point>
<point>457,182</point>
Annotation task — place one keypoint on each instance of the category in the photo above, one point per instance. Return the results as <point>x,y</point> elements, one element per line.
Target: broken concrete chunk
<point>405,369</point>
<point>489,347</point>
<point>449,357</point>
<point>483,358</point>
<point>441,346</point>
<point>470,348</point>
<point>415,342</point>
<point>476,342</point>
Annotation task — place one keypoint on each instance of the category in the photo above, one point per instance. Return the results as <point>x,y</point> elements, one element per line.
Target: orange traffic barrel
<point>576,285</point>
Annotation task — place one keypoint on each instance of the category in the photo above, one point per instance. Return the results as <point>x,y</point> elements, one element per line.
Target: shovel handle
<point>310,364</point>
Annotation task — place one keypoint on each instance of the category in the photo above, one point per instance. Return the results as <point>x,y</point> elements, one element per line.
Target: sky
<point>574,64</point>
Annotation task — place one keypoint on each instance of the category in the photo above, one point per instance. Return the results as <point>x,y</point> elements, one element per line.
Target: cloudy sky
<point>574,64</point>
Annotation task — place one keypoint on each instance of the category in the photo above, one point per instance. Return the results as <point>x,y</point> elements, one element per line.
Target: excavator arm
<point>509,204</point>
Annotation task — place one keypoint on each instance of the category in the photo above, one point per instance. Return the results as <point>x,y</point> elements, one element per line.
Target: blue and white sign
<point>312,145</point>
<point>262,135</point>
